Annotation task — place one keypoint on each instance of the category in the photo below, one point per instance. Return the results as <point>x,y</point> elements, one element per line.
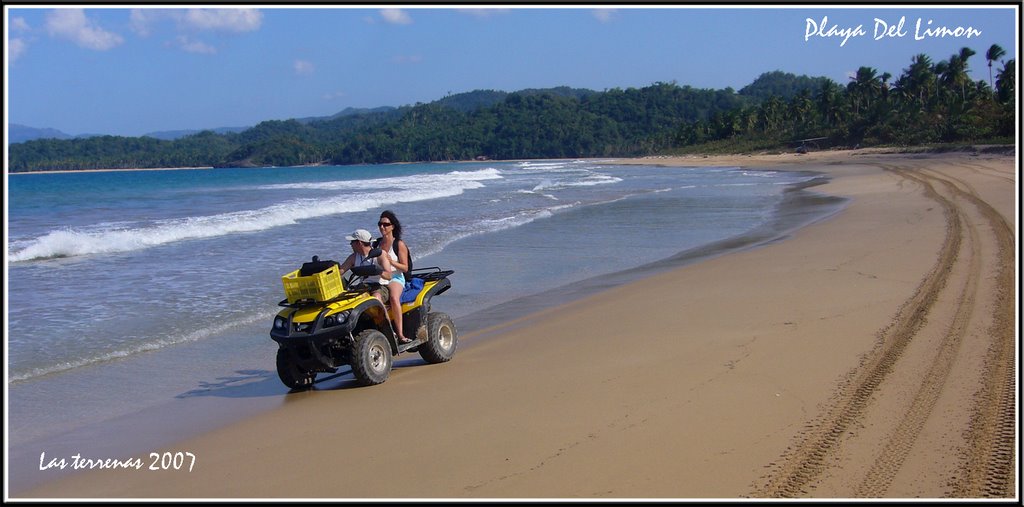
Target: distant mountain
<point>348,111</point>
<point>20,133</point>
<point>533,123</point>
<point>471,101</point>
<point>560,91</point>
<point>560,122</point>
<point>781,84</point>
<point>462,102</point>
<point>170,135</point>
<point>480,99</point>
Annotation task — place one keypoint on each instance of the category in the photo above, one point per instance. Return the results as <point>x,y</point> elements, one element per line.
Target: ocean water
<point>126,289</point>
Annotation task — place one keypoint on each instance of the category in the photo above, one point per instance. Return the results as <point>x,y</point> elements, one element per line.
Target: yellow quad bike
<point>339,323</point>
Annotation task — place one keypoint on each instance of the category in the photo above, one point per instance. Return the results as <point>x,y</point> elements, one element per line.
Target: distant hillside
<point>20,133</point>
<point>781,84</point>
<point>534,123</point>
<point>170,135</point>
<point>560,91</point>
<point>348,111</point>
<point>471,101</point>
<point>566,122</point>
<point>777,83</point>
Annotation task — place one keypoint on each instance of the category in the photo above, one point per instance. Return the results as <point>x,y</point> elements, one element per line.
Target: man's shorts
<point>385,294</point>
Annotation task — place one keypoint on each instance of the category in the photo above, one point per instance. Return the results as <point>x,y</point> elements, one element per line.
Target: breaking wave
<point>74,242</point>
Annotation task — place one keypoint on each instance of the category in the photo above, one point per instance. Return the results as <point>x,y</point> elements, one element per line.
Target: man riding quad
<point>329,322</point>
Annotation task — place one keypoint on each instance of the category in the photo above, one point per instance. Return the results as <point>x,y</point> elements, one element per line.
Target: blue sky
<point>124,71</point>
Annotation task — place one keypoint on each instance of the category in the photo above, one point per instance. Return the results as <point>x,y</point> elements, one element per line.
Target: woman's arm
<point>402,264</point>
<point>385,263</point>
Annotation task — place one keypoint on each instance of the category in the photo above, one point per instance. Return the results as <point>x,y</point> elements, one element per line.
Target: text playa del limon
<point>883,29</point>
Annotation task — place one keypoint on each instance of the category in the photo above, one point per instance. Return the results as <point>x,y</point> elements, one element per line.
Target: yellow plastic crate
<point>320,286</point>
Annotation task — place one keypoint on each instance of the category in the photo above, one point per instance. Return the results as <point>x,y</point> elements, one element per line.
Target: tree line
<point>930,102</point>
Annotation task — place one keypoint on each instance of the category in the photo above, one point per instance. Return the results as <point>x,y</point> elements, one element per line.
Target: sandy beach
<point>869,355</point>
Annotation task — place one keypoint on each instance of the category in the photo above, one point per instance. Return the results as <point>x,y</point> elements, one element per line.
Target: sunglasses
<point>384,224</point>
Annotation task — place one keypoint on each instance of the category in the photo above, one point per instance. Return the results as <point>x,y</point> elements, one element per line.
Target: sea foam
<point>74,242</point>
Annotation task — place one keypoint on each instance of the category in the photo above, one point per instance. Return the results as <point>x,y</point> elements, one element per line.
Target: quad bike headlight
<point>280,323</point>
<point>336,319</point>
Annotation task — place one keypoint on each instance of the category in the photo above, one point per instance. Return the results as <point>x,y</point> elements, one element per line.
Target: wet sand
<point>867,355</point>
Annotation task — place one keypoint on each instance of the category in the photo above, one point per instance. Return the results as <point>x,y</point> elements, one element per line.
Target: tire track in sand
<point>987,467</point>
<point>803,463</point>
<point>900,442</point>
<point>988,171</point>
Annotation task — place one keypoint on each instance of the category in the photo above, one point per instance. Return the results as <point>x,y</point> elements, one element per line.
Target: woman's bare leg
<point>395,302</point>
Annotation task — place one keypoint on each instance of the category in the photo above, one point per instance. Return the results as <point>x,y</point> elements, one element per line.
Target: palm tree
<point>857,88</point>
<point>1005,81</point>
<point>800,109</point>
<point>866,86</point>
<point>955,72</point>
<point>750,120</point>
<point>903,91</point>
<point>921,79</point>
<point>883,83</point>
<point>994,53</point>
<point>829,102</point>
<point>770,113</point>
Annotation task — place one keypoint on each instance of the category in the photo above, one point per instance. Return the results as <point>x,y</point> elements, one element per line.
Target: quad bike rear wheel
<point>290,373</point>
<point>371,358</point>
<point>442,339</point>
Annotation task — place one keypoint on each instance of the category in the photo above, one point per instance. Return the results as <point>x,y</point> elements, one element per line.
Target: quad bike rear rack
<point>427,274</point>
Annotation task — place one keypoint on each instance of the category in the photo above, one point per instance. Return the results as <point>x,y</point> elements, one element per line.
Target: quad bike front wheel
<point>442,339</point>
<point>290,373</point>
<point>371,358</point>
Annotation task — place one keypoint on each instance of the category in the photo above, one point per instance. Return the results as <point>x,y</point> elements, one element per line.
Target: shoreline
<point>683,160</point>
<point>797,208</point>
<point>609,408</point>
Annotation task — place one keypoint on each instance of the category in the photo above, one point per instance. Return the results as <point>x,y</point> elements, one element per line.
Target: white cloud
<point>16,48</point>
<point>304,68</point>
<point>188,22</point>
<point>229,20</point>
<point>603,15</point>
<point>19,25</point>
<point>483,12</point>
<point>193,20</point>
<point>194,46</point>
<point>333,95</point>
<point>395,16</point>
<point>72,24</point>
<point>141,20</point>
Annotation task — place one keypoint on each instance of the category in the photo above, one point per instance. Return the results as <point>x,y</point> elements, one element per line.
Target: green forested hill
<point>558,122</point>
<point>929,102</point>
<point>781,84</point>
